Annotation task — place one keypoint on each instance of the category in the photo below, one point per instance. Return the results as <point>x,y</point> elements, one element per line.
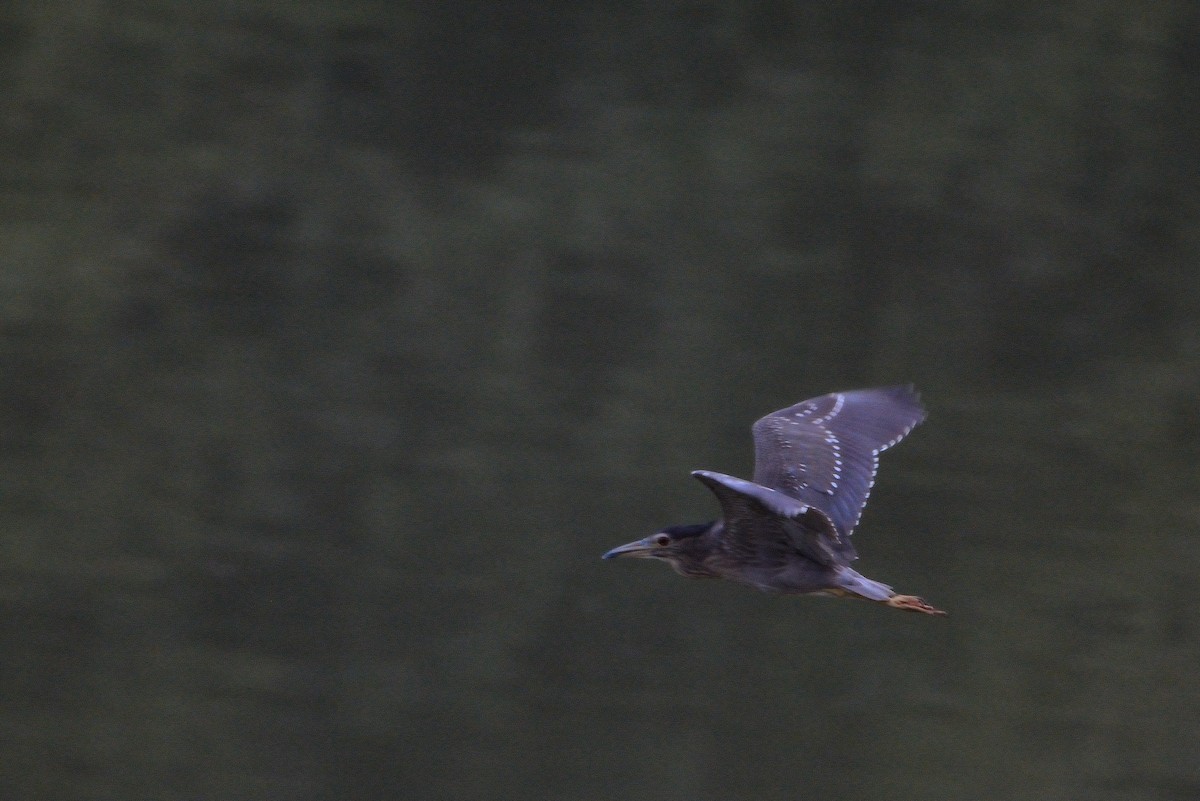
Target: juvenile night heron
<point>789,529</point>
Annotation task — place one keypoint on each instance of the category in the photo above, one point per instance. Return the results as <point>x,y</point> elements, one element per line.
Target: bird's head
<point>683,547</point>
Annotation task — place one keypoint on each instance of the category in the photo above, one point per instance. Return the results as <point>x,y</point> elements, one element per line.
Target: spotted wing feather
<point>762,526</point>
<point>825,451</point>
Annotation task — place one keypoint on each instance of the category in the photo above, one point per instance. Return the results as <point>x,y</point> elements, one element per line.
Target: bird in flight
<point>789,529</point>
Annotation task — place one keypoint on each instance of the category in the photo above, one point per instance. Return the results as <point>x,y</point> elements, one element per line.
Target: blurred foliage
<point>338,340</point>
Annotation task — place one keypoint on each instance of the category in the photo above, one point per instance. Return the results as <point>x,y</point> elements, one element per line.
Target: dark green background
<point>339,339</point>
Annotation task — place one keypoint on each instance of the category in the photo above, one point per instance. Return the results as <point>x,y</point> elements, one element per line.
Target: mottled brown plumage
<point>789,529</point>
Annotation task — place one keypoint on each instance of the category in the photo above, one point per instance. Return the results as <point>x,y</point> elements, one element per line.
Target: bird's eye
<point>662,540</point>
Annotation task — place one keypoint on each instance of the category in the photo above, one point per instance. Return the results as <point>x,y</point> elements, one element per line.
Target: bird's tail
<point>856,583</point>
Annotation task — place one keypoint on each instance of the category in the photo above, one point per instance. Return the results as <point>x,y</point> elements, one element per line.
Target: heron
<point>788,530</point>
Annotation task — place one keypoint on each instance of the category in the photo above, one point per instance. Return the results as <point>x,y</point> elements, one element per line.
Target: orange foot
<point>913,604</point>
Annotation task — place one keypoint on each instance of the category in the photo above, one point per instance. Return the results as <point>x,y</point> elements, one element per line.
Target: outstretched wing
<point>763,526</point>
<point>825,451</point>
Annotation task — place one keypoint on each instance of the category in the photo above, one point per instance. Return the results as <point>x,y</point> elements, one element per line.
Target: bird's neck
<point>694,560</point>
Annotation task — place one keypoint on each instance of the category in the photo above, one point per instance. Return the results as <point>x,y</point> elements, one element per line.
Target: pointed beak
<point>639,548</point>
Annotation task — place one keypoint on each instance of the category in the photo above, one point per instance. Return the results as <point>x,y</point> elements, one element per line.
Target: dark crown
<point>690,530</point>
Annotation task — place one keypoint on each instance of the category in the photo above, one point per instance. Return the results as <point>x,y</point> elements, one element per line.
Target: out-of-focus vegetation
<point>338,340</point>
